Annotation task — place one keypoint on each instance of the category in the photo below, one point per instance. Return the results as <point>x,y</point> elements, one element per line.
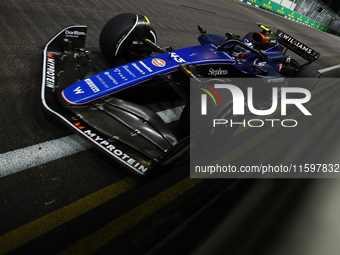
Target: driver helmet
<point>239,51</point>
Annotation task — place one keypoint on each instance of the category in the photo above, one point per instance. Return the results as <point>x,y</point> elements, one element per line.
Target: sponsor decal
<point>110,77</point>
<point>297,44</point>
<point>281,11</point>
<point>129,72</point>
<point>117,70</point>
<point>74,34</point>
<point>102,81</point>
<point>78,90</point>
<point>128,160</point>
<point>138,68</point>
<point>268,5</point>
<point>292,15</point>
<point>50,71</point>
<point>91,84</point>
<point>274,80</point>
<point>145,66</point>
<point>78,125</point>
<point>220,71</point>
<point>158,62</point>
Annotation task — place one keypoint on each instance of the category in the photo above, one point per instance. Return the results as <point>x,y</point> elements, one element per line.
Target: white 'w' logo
<point>78,90</point>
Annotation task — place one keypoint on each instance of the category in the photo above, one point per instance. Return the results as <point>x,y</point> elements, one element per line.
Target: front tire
<point>121,38</point>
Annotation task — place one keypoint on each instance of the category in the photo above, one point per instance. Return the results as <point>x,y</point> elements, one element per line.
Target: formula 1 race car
<point>110,97</point>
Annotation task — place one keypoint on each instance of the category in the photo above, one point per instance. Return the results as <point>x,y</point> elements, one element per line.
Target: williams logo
<point>78,90</point>
<point>295,43</point>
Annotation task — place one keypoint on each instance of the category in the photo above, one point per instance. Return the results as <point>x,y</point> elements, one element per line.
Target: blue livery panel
<point>118,78</point>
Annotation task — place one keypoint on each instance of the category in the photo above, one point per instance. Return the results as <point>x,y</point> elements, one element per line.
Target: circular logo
<point>158,62</point>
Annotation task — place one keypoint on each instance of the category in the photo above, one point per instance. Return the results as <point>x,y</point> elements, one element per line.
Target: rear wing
<point>297,47</point>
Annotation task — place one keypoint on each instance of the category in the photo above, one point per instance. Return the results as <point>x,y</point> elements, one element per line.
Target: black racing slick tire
<point>121,38</point>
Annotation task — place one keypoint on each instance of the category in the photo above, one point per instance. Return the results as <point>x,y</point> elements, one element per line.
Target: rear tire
<point>308,71</point>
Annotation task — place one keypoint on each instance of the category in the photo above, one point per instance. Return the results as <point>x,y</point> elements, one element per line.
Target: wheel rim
<point>221,133</point>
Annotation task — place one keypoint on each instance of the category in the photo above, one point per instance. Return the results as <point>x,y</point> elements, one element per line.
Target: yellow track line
<point>41,226</point>
<point>99,238</point>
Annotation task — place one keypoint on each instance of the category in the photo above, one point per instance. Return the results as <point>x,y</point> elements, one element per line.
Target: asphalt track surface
<point>76,200</point>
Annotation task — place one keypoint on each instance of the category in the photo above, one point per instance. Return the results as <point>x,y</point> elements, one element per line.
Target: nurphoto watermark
<point>228,117</point>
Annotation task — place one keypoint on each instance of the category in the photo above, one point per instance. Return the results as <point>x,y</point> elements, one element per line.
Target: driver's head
<point>247,42</point>
<point>240,51</point>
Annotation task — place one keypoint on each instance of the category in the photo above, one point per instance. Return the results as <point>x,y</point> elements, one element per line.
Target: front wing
<point>65,62</point>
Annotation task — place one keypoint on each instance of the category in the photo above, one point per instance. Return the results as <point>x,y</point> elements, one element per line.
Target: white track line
<point>18,160</point>
<point>328,69</point>
<point>35,155</point>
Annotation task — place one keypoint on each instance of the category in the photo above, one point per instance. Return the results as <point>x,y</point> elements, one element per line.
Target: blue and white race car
<point>109,96</point>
